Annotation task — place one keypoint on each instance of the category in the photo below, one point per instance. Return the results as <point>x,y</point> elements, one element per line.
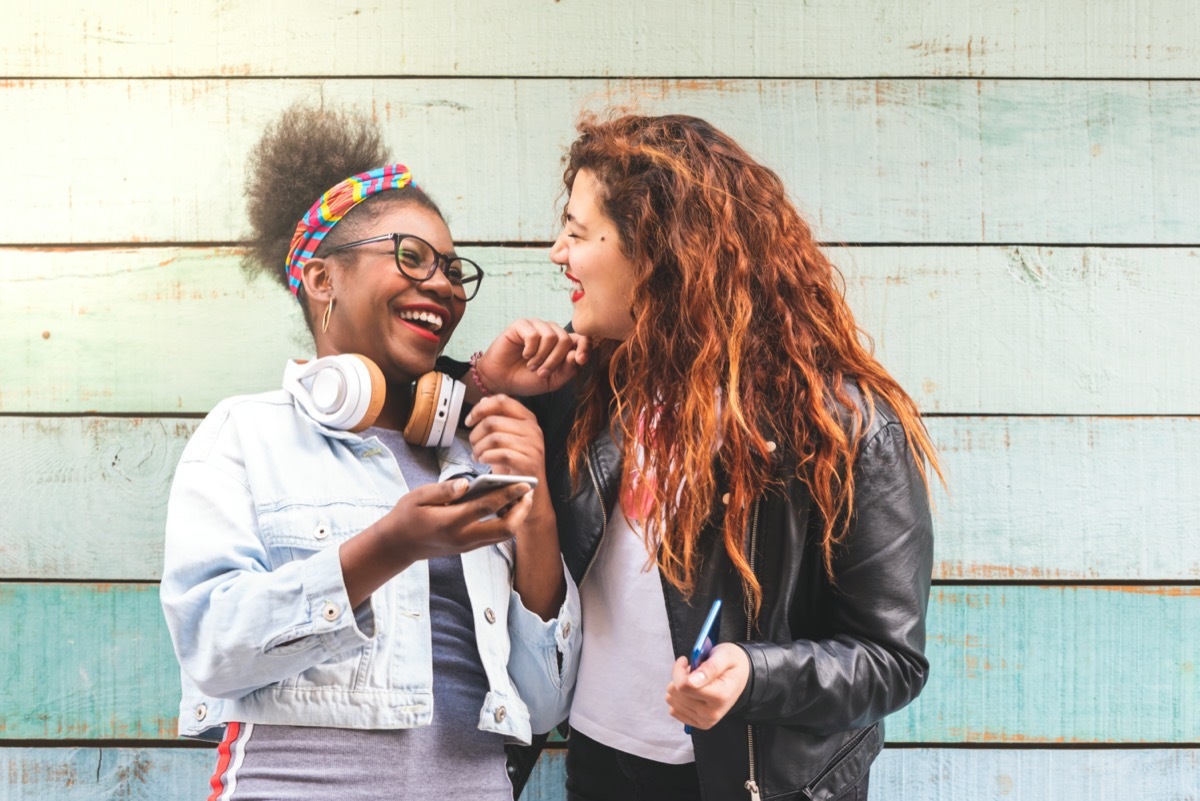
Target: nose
<point>558,251</point>
<point>438,283</point>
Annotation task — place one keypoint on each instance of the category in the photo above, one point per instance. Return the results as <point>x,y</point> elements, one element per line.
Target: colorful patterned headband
<point>333,206</point>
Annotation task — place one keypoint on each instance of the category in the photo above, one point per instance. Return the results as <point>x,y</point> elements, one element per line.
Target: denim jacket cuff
<point>338,626</point>
<point>561,632</point>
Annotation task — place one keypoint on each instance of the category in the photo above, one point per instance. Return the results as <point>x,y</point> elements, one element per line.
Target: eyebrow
<point>571,218</point>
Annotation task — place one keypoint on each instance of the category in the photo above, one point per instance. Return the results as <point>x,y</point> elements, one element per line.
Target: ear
<point>318,281</point>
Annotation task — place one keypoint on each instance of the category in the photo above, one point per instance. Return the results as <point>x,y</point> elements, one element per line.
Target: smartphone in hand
<point>704,642</point>
<point>481,485</point>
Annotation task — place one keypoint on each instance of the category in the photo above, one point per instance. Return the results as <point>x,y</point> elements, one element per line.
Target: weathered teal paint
<point>1059,665</point>
<point>85,661</point>
<point>920,774</point>
<point>1009,664</point>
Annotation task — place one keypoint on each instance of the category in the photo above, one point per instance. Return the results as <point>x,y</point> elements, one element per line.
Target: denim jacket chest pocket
<point>296,530</point>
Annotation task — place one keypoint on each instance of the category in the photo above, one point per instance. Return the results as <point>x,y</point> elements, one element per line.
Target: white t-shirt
<point>625,666</point>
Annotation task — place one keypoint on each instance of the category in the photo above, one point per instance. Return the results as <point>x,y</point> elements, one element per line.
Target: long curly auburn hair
<point>742,336</point>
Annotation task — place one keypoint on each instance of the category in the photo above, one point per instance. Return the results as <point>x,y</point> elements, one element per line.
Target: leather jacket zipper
<point>752,783</point>
<point>603,518</point>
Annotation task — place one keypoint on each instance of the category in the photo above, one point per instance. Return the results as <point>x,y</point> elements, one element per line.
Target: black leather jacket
<point>827,662</point>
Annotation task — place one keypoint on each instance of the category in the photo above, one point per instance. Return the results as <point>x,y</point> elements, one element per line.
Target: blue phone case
<point>704,643</point>
<point>708,634</point>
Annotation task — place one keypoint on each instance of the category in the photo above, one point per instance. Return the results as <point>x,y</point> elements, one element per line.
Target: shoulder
<point>866,414</point>
<point>222,429</point>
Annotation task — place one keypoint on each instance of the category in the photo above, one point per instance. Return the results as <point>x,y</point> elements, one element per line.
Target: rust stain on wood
<point>1166,592</point>
<point>957,569</point>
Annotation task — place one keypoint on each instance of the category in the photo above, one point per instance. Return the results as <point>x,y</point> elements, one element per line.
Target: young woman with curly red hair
<point>731,434</point>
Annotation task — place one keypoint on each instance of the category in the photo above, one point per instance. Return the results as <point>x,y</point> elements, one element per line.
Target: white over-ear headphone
<point>346,392</point>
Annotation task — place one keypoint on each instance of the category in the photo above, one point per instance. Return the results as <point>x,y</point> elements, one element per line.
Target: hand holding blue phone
<point>704,642</point>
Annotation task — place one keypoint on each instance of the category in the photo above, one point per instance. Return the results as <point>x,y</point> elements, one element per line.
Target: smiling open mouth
<point>422,319</point>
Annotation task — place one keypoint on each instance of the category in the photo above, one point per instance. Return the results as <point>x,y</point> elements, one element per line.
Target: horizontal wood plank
<point>1058,665</point>
<point>931,774</point>
<point>976,330</point>
<point>1021,664</point>
<point>964,161</point>
<point>1030,498</point>
<point>1069,38</point>
<point>927,774</point>
<point>86,661</point>
<point>1068,498</point>
<point>86,497</point>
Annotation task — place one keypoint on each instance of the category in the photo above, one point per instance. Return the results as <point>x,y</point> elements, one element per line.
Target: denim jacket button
<point>331,611</point>
<point>489,615</point>
<point>500,714</point>
<point>322,530</point>
<point>201,712</point>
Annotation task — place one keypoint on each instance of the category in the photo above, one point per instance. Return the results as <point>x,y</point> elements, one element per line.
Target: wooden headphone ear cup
<point>378,394</point>
<point>424,409</point>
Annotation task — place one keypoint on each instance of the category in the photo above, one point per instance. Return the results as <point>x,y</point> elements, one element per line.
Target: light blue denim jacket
<point>254,598</point>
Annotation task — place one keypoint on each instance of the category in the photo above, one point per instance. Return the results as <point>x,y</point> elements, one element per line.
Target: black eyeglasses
<point>418,260</point>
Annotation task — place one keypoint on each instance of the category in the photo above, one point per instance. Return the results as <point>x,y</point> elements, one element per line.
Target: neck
<point>397,407</point>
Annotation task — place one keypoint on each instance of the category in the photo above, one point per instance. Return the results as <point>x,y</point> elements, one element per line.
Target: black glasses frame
<point>468,287</point>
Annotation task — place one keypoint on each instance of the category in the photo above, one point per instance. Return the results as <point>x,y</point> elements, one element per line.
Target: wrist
<point>482,387</point>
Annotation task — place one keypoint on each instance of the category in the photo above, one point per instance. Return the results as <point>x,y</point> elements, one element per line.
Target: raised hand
<point>506,435</point>
<point>531,357</point>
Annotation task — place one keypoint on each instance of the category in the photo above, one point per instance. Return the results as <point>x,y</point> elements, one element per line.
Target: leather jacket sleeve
<point>873,662</point>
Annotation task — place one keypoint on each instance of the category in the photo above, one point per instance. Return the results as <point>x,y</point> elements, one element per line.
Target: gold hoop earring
<point>325,319</point>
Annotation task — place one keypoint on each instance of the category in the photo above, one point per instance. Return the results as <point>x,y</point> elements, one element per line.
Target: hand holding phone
<point>481,485</point>
<point>704,642</point>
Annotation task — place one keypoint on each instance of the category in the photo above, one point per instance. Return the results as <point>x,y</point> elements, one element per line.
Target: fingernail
<point>696,679</point>
<point>460,485</point>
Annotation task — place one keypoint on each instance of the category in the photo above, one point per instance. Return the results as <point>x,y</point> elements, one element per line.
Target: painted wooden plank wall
<point>967,330</point>
<point>928,774</point>
<point>913,161</point>
<point>1017,38</point>
<point>894,125</point>
<point>1046,498</point>
<point>1024,664</point>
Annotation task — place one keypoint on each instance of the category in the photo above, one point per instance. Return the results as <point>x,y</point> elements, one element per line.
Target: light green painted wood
<point>995,330</point>
<point>86,498</point>
<point>1026,38</point>
<point>1068,498</point>
<point>1021,664</point>
<point>1033,330</point>
<point>1031,498</point>
<point>921,774</point>
<point>156,330</point>
<point>916,161</point>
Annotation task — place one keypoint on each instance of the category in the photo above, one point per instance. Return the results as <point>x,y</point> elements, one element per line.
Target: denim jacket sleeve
<point>236,622</point>
<point>544,660</point>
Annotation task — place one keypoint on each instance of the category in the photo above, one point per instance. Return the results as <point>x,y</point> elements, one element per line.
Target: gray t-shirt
<point>450,758</point>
